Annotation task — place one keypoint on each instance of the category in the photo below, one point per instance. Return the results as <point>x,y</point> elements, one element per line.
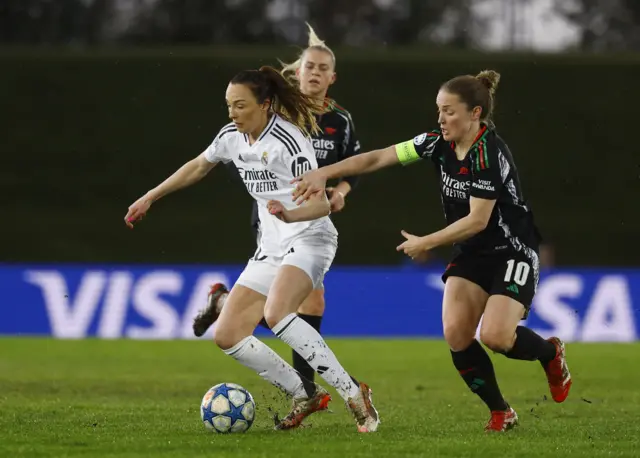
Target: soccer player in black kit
<point>314,71</point>
<point>493,274</point>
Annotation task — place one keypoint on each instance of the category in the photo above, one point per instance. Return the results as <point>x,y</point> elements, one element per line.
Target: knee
<point>458,335</point>
<point>273,316</point>
<point>278,308</point>
<point>226,338</point>
<point>314,304</point>
<point>497,338</point>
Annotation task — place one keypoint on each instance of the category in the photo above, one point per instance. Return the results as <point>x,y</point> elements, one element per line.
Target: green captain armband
<point>406,152</point>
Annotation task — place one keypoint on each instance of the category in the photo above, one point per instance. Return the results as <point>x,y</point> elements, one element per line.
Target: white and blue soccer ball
<point>227,408</point>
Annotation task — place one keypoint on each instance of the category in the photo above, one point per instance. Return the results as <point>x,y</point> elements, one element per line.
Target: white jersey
<point>267,167</point>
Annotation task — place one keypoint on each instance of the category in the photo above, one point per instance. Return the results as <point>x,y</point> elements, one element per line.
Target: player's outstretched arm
<point>476,221</point>
<point>316,207</point>
<point>190,173</point>
<point>315,181</point>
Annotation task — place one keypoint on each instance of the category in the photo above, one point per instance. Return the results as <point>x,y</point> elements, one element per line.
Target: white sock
<point>309,344</point>
<point>254,354</point>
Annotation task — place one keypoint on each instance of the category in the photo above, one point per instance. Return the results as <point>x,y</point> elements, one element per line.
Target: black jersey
<point>336,141</point>
<point>337,137</point>
<point>488,172</point>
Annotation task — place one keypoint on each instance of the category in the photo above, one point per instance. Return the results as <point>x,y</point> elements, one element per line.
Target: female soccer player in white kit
<point>268,143</point>
<point>314,73</point>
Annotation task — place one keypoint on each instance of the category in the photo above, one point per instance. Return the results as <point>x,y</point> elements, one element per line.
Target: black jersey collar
<point>482,133</point>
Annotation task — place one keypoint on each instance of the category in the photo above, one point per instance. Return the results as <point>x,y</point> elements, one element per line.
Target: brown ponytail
<point>286,98</point>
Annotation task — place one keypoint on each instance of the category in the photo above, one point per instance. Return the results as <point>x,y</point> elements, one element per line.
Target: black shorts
<point>511,273</point>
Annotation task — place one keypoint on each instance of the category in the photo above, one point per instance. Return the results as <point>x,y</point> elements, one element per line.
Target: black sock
<point>476,369</point>
<point>529,346</point>
<point>299,363</point>
<point>264,324</point>
<point>308,385</point>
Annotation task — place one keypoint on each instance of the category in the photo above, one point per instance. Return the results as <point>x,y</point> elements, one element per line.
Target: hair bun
<point>489,79</point>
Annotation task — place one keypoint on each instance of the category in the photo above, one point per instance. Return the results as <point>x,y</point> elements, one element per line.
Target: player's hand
<point>336,200</point>
<point>413,247</point>
<point>276,208</point>
<point>422,257</point>
<point>307,185</point>
<point>137,211</point>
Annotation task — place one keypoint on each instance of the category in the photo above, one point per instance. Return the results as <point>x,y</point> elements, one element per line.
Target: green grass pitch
<point>92,398</point>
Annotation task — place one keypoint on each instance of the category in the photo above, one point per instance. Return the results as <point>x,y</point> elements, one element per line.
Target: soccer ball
<point>227,408</point>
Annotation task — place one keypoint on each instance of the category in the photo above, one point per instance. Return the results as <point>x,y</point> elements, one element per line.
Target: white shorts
<point>314,260</point>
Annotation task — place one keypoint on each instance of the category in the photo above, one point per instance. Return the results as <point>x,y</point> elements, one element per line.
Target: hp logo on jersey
<point>300,166</point>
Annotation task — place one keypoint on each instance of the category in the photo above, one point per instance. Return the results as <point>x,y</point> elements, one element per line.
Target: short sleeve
<point>291,153</point>
<point>352,147</point>
<point>352,144</point>
<point>301,162</point>
<point>421,147</point>
<point>218,150</point>
<point>486,172</point>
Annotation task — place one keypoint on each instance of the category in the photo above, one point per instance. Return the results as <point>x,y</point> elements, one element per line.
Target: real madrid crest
<point>265,158</point>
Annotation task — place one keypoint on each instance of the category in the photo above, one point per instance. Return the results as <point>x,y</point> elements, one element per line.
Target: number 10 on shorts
<point>519,274</point>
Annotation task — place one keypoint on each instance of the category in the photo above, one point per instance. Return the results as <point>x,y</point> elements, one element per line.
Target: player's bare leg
<point>239,318</point>
<point>208,315</point>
